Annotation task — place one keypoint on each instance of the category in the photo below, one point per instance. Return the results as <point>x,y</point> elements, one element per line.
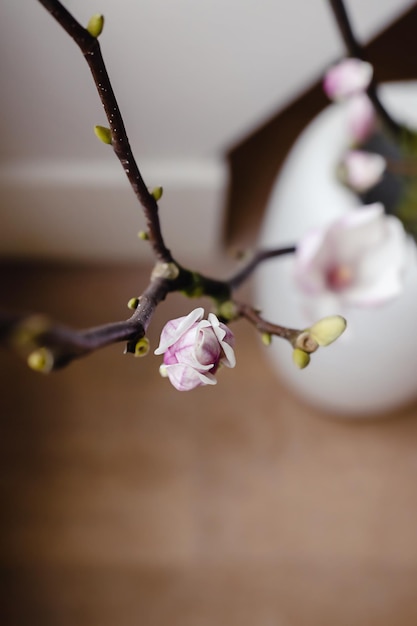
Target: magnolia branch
<point>26,333</point>
<point>90,48</point>
<point>48,345</point>
<point>356,50</point>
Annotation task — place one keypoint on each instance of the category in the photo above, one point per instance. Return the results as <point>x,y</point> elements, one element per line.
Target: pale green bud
<point>328,329</point>
<point>157,193</point>
<point>266,339</point>
<point>41,360</point>
<point>133,303</point>
<point>227,310</point>
<point>142,347</point>
<point>103,133</point>
<point>95,25</point>
<point>300,358</point>
<point>143,235</point>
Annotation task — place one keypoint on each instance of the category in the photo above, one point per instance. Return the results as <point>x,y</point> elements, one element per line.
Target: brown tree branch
<point>259,257</point>
<point>59,344</point>
<point>90,48</point>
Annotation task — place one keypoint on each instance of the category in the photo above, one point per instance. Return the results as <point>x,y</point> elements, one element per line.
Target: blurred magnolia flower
<point>361,118</point>
<point>361,170</point>
<point>357,260</point>
<point>194,348</point>
<point>349,77</point>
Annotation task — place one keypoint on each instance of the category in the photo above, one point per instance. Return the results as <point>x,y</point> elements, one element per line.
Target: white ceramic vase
<point>372,368</point>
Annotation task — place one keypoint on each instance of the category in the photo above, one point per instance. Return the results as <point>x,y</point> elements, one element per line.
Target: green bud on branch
<point>41,360</point>
<point>142,347</point>
<point>300,358</point>
<point>133,303</point>
<point>328,329</point>
<point>143,235</point>
<point>157,193</point>
<point>95,25</point>
<point>104,134</point>
<point>266,339</point>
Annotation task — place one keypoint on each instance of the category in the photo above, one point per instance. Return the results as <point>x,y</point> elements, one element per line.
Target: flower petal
<point>361,118</point>
<point>226,340</point>
<point>358,259</point>
<point>174,329</point>
<point>184,377</point>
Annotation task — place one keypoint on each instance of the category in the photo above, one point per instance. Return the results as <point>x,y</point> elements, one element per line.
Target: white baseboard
<point>86,211</point>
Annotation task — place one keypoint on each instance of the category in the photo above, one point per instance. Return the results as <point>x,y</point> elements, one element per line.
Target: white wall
<point>192,78</point>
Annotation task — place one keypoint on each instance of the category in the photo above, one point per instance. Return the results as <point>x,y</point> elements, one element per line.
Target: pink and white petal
<point>207,349</point>
<point>310,259</point>
<point>226,340</point>
<point>174,329</point>
<point>361,118</point>
<point>357,232</point>
<point>185,378</point>
<point>376,293</point>
<point>388,257</point>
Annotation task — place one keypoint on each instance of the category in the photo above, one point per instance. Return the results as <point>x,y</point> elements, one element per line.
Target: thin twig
<point>90,48</point>
<point>25,333</point>
<point>258,258</point>
<point>254,317</point>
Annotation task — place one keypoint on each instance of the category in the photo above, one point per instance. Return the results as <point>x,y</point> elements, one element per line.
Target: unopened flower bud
<point>143,235</point>
<point>194,348</point>
<point>328,329</point>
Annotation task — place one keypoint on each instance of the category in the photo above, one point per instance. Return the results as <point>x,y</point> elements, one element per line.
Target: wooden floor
<point>127,503</point>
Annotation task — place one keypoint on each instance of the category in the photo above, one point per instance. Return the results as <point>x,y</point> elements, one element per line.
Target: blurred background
<point>124,501</point>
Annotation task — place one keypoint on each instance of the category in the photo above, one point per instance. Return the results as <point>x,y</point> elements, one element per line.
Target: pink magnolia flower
<point>358,259</point>
<point>361,118</point>
<point>362,170</point>
<point>349,77</point>
<point>194,348</point>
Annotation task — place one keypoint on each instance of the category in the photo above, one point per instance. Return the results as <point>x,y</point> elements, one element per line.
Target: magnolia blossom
<point>349,77</point>
<point>194,348</point>
<point>362,170</point>
<point>358,259</point>
<point>361,118</point>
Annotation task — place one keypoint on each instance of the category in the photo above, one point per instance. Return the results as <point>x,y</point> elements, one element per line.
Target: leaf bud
<point>133,303</point>
<point>157,193</point>
<point>103,133</point>
<point>266,339</point>
<point>41,360</point>
<point>142,347</point>
<point>95,25</point>
<point>300,358</point>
